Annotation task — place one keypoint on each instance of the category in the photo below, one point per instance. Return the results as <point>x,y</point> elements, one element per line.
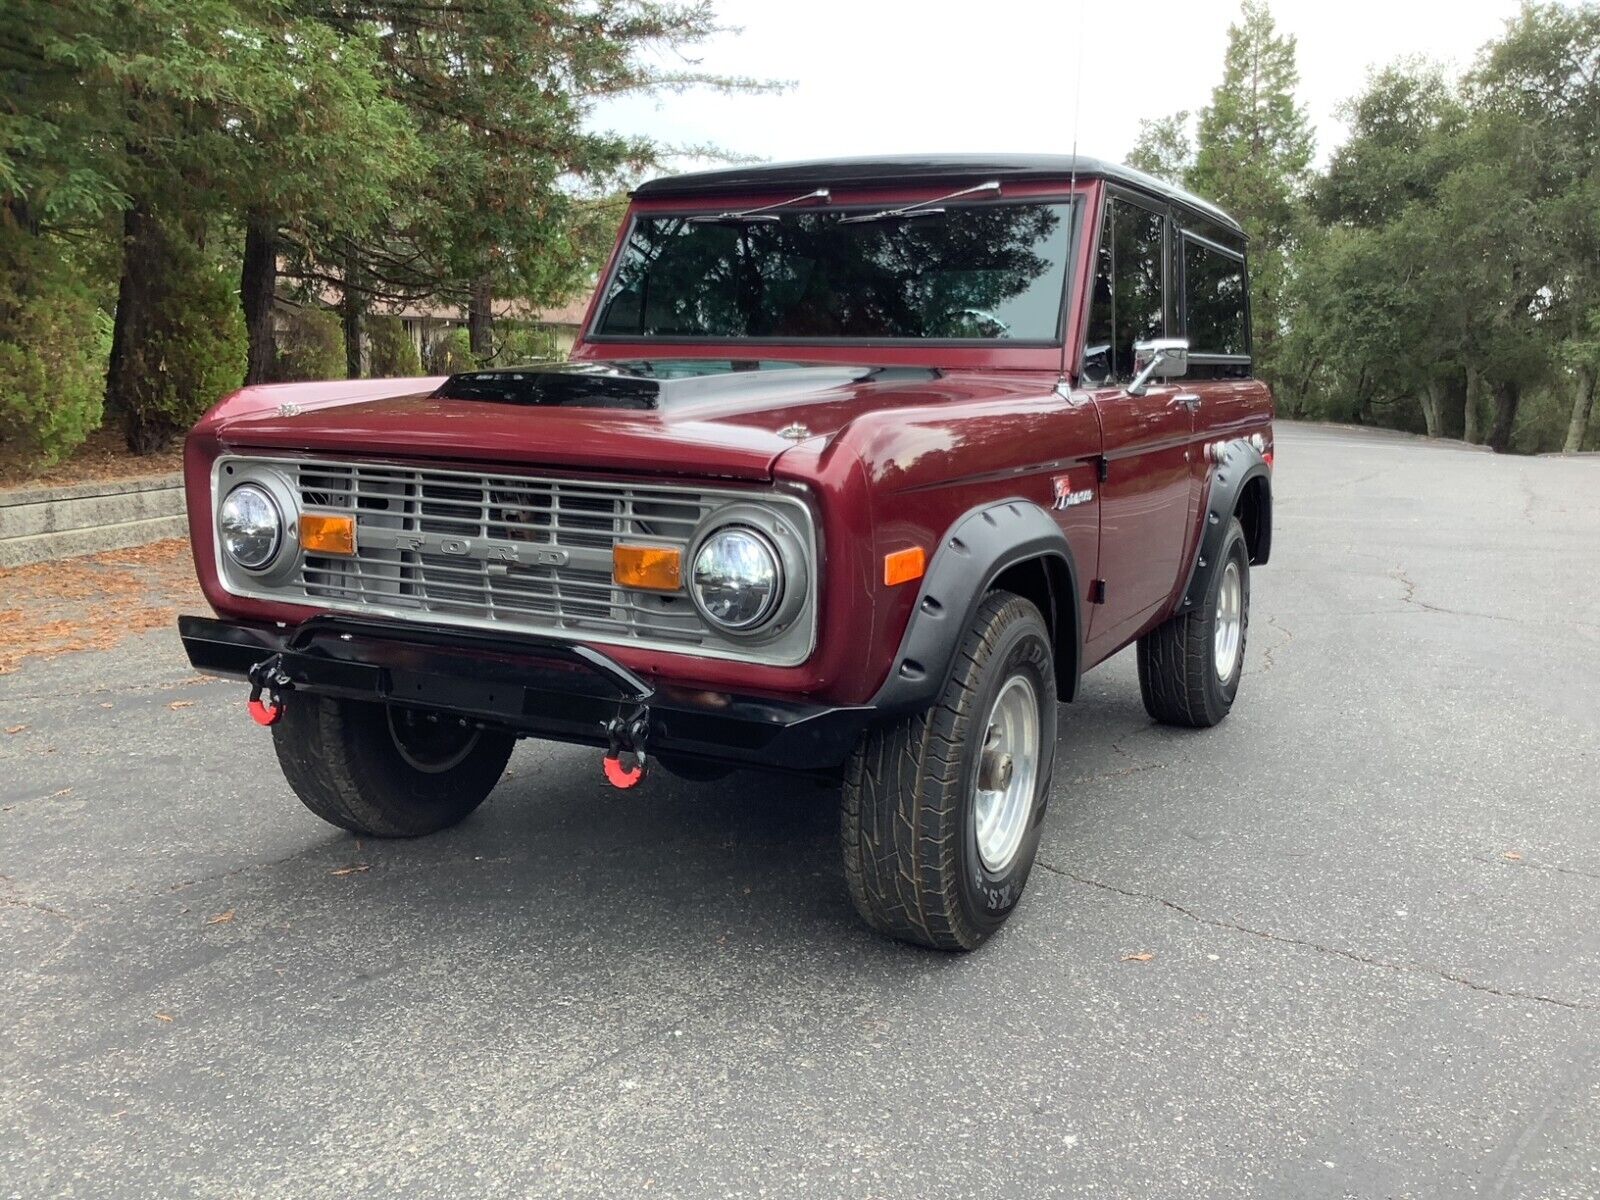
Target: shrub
<point>54,341</point>
<point>450,351</point>
<point>187,354</point>
<point>391,353</point>
<point>524,344</point>
<point>310,346</point>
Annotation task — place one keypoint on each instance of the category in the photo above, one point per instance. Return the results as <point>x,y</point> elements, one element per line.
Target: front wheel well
<point>1046,582</point>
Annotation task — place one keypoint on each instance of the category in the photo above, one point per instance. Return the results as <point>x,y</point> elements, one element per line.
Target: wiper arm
<point>923,208</point>
<point>747,216</point>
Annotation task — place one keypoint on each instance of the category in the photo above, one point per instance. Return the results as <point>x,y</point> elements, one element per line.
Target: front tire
<point>1190,666</point>
<point>384,771</point>
<point>942,810</point>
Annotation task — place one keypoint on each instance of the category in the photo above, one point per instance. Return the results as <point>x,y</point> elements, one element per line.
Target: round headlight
<point>251,526</point>
<point>738,578</point>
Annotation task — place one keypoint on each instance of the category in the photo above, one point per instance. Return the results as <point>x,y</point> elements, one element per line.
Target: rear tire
<point>937,850</point>
<point>384,771</point>
<point>1189,667</point>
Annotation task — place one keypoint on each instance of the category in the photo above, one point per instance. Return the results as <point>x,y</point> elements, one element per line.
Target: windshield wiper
<point>747,216</point>
<point>920,209</point>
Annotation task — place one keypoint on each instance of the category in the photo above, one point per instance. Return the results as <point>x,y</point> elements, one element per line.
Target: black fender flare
<point>1238,463</point>
<point>980,546</point>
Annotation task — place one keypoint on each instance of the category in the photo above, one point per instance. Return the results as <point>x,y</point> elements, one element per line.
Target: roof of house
<point>900,168</point>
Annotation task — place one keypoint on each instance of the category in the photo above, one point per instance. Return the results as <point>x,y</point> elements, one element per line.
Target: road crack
<point>1400,577</point>
<point>1524,865</point>
<point>1318,947</point>
<point>1269,654</point>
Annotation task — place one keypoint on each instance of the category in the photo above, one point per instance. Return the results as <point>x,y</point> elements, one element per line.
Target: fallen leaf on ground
<point>352,869</point>
<point>167,1017</point>
<point>1144,957</point>
<point>221,918</point>
<point>1513,855</point>
<point>16,728</point>
<point>181,704</point>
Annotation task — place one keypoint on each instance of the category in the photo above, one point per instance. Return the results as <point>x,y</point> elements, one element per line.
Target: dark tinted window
<point>1127,305</point>
<point>992,272</point>
<point>1214,300</point>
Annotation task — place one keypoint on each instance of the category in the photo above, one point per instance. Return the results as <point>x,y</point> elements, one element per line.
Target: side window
<point>1214,299</point>
<point>1128,302</point>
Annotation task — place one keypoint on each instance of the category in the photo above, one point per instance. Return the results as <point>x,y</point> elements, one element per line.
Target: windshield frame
<point>855,202</point>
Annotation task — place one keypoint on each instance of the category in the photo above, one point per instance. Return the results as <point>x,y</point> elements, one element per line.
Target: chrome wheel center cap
<point>996,772</point>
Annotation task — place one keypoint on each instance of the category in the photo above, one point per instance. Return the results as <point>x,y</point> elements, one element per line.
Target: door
<point>1148,474</point>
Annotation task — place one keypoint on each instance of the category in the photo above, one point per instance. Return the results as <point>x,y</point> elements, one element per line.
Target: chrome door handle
<point>1188,399</point>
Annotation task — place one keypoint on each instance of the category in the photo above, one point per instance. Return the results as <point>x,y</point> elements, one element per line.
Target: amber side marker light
<point>327,535</point>
<point>904,565</point>
<point>648,568</point>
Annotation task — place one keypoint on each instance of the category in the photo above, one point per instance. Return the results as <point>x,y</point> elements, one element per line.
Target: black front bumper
<point>533,687</point>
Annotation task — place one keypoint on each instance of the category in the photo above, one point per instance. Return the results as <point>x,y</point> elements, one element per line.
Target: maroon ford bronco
<point>857,467</point>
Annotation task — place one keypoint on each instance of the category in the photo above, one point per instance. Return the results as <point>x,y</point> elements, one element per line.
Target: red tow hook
<point>267,676</point>
<point>264,713</point>
<point>617,775</point>
<point>626,737</point>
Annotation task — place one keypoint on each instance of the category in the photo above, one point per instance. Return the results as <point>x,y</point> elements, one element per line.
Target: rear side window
<point>1128,304</point>
<point>1214,298</point>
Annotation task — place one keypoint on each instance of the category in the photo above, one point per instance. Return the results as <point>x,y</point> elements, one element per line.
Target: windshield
<point>993,272</point>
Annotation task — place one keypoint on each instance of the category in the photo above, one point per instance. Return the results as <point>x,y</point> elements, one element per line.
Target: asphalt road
<point>1370,896</point>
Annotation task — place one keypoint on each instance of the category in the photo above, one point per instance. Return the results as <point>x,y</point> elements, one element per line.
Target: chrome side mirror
<point>1163,358</point>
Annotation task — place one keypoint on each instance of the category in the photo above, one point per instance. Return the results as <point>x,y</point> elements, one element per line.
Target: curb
<point>41,524</point>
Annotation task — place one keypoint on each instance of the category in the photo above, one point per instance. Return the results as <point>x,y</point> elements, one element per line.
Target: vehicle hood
<point>728,419</point>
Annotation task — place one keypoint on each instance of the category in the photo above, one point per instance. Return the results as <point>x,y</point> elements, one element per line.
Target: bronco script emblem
<point>1066,497</point>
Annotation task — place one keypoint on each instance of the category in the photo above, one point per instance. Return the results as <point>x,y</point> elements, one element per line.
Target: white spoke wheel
<point>941,810</point>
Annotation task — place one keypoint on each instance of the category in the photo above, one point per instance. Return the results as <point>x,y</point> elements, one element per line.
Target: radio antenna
<point>1077,111</point>
<point>1077,93</point>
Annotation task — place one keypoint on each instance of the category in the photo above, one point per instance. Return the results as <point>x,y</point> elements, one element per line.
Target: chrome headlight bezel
<point>273,526</point>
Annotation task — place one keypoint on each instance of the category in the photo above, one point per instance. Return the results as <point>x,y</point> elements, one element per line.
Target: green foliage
<point>310,346</point>
<point>1164,149</point>
<point>1447,273</point>
<point>523,343</point>
<point>390,351</point>
<point>53,342</point>
<point>449,351</point>
<point>186,353</point>
<point>1252,158</point>
<point>519,183</point>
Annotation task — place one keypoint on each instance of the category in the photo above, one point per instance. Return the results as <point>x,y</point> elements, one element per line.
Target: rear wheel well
<point>1047,583</point>
<point>1254,511</point>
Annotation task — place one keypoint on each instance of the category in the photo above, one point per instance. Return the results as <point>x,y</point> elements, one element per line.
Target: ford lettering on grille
<point>483,549</point>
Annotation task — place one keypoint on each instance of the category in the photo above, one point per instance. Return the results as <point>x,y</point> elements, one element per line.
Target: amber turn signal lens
<point>649,568</point>
<point>904,565</point>
<point>327,535</point>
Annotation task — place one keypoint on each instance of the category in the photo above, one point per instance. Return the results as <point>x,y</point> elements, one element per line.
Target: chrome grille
<point>529,553</point>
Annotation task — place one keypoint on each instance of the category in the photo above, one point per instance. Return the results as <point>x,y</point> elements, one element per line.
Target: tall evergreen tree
<point>1164,148</point>
<point>499,92</point>
<point>1252,157</point>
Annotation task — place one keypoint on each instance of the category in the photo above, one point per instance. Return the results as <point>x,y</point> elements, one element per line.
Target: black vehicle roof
<point>900,168</point>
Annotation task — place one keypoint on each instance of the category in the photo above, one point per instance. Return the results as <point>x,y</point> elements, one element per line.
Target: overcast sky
<point>873,76</point>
